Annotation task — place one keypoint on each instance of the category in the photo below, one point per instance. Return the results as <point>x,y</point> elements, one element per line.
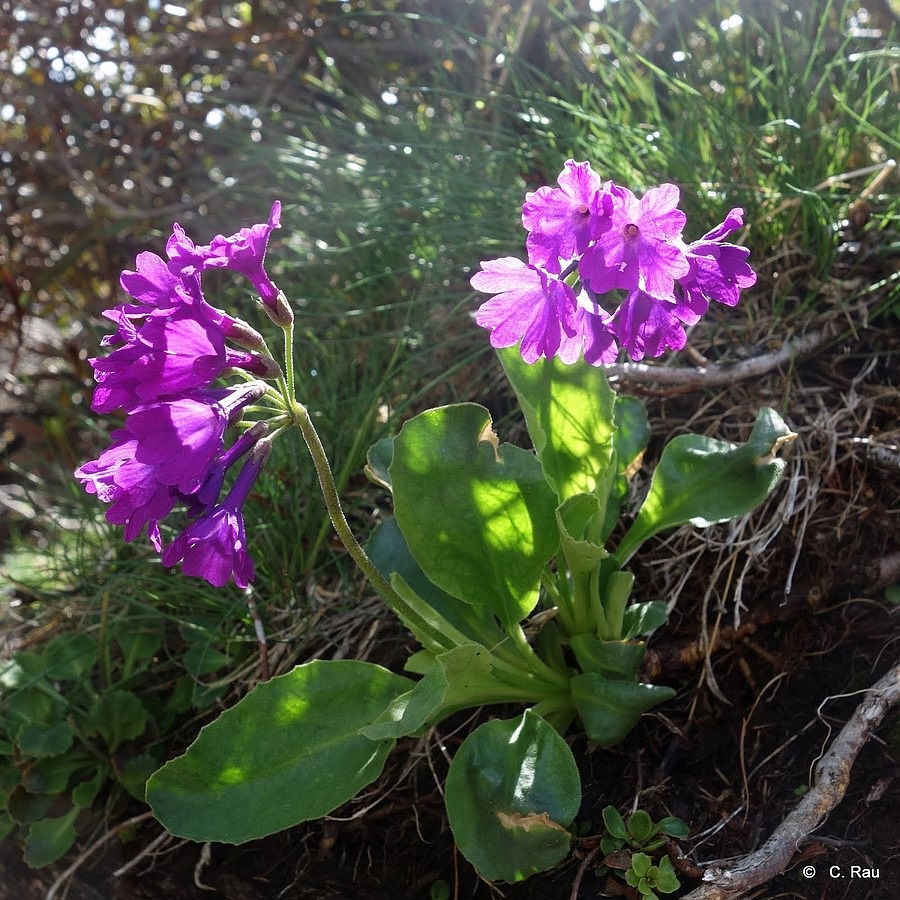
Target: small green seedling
<point>642,836</point>
<point>648,878</point>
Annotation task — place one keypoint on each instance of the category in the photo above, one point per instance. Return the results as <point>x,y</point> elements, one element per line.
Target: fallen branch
<point>720,374</point>
<point>832,777</point>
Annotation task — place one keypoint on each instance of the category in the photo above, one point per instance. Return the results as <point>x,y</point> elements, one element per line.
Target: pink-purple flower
<point>170,348</point>
<point>607,270</point>
<point>561,222</point>
<point>531,307</point>
<point>242,252</point>
<point>214,546</point>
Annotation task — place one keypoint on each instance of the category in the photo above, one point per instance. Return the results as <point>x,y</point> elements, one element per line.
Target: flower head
<point>169,349</point>
<point>587,241</point>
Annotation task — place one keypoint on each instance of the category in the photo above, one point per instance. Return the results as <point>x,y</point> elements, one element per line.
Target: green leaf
<point>51,776</point>
<point>118,716</point>
<point>84,793</point>
<point>287,752</point>
<point>703,481</point>
<point>204,659</point>
<point>609,707</point>
<point>477,516</point>
<point>135,771</point>
<point>641,826</point>
<point>49,839</point>
<point>459,679</point>
<point>614,823</point>
<point>40,739</point>
<point>573,517</point>
<point>630,441</point>
<point>640,864</point>
<point>389,552</point>
<point>617,659</point>
<point>673,826</point>
<point>666,880</point>
<point>511,792</point>
<point>643,618</point>
<point>569,411</point>
<point>378,462</point>
<point>138,639</point>
<point>69,657</point>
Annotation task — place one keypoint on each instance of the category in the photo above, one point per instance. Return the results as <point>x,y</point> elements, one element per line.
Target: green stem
<point>288,382</point>
<point>534,662</point>
<point>336,511</point>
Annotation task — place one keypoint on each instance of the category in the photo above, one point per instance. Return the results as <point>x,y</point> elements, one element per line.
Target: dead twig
<point>721,374</point>
<point>93,848</point>
<point>832,777</point>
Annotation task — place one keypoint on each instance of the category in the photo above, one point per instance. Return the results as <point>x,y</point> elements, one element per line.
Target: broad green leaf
<point>135,771</point>
<point>610,707</point>
<point>138,639</point>
<point>454,672</point>
<point>614,822</point>
<point>666,880</point>
<point>461,678</point>
<point>630,439</point>
<point>574,517</point>
<point>511,793</point>
<point>478,517</point>
<point>673,826</point>
<point>389,552</point>
<point>38,703</point>
<point>204,659</point>
<point>641,826</point>
<point>569,412</point>
<point>84,793</point>
<point>6,825</point>
<point>52,775</point>
<point>458,679</point>
<point>49,839</point>
<point>287,752</point>
<point>703,481</point>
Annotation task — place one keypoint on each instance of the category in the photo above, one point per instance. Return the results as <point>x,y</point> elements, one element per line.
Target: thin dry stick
<point>721,374</point>
<point>832,777</point>
<point>82,857</point>
<point>263,644</point>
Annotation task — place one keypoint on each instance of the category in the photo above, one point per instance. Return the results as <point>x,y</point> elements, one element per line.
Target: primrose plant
<point>506,564</point>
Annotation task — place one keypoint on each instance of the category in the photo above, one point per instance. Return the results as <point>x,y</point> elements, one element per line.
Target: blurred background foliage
<point>119,117</point>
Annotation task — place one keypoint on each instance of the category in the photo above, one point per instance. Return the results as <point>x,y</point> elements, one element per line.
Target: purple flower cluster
<point>169,350</point>
<point>605,270</point>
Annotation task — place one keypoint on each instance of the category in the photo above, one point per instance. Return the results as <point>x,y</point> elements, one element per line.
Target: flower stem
<point>288,385</point>
<point>336,511</point>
